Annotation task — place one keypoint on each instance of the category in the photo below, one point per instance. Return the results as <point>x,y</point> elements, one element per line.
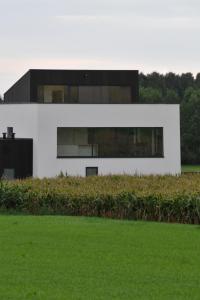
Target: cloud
<point>133,34</point>
<point>42,8</point>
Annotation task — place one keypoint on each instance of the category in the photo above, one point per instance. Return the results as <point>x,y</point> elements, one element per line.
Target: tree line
<point>183,89</point>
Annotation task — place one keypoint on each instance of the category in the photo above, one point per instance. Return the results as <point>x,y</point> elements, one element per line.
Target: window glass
<point>51,93</point>
<point>110,142</point>
<point>57,96</point>
<point>91,171</point>
<point>84,94</point>
<point>71,94</point>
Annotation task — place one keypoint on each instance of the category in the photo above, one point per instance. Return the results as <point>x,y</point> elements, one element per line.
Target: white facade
<point>40,122</point>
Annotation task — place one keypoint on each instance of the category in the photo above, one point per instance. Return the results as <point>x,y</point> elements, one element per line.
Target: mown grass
<point>59,258</point>
<point>190,168</point>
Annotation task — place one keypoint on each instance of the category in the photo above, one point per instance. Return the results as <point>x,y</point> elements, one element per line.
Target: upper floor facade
<point>76,87</point>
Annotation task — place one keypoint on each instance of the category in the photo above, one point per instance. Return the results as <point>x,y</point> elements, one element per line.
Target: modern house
<point>85,122</point>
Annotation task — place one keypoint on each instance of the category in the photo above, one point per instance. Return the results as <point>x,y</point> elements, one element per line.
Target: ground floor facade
<point>80,139</point>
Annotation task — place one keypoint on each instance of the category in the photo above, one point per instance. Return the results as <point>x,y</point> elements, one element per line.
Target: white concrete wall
<point>40,122</point>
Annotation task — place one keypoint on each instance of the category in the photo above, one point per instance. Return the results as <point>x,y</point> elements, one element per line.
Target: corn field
<point>155,198</point>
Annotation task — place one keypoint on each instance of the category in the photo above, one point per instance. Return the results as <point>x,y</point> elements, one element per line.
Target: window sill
<point>100,157</point>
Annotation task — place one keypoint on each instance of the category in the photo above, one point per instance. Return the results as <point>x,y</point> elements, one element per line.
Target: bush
<point>156,198</point>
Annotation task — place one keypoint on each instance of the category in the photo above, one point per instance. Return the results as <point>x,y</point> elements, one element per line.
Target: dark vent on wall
<point>9,134</point>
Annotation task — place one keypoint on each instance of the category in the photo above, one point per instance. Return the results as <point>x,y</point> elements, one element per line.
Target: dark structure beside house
<point>16,158</point>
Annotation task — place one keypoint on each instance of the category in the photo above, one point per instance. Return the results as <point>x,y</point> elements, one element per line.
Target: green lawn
<point>88,258</point>
<point>190,168</point>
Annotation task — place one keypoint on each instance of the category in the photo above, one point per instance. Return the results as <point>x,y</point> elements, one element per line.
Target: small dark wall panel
<point>17,154</point>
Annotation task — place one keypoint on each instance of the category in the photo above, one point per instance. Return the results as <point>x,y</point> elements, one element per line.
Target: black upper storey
<point>25,90</point>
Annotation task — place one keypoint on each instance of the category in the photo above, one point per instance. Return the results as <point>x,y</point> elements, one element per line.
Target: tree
<point>197,80</point>
<point>190,127</point>
<point>183,89</point>
<point>186,80</point>
<point>150,95</point>
<point>172,82</point>
<point>156,81</point>
<point>143,80</point>
<point>171,96</point>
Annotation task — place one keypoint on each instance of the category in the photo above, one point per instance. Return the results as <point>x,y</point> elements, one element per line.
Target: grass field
<point>190,168</point>
<point>66,258</point>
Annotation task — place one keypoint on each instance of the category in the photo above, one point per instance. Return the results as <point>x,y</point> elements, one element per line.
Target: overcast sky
<point>147,35</point>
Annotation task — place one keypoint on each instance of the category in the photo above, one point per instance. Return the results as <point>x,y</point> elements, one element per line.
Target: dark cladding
<point>75,86</point>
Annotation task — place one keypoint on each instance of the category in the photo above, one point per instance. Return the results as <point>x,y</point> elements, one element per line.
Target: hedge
<point>156,198</point>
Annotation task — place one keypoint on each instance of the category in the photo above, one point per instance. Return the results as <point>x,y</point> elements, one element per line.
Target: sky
<point>148,35</point>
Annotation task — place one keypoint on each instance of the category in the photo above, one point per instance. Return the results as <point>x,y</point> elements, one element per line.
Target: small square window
<point>91,171</point>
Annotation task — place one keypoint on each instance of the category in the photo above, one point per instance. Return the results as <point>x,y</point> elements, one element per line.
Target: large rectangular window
<point>84,94</point>
<point>109,142</point>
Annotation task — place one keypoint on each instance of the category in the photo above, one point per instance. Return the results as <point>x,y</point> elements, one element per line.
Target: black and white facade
<point>86,122</point>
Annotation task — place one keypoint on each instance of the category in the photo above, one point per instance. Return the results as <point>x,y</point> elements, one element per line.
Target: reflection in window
<point>51,93</point>
<point>110,142</point>
<point>84,94</point>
